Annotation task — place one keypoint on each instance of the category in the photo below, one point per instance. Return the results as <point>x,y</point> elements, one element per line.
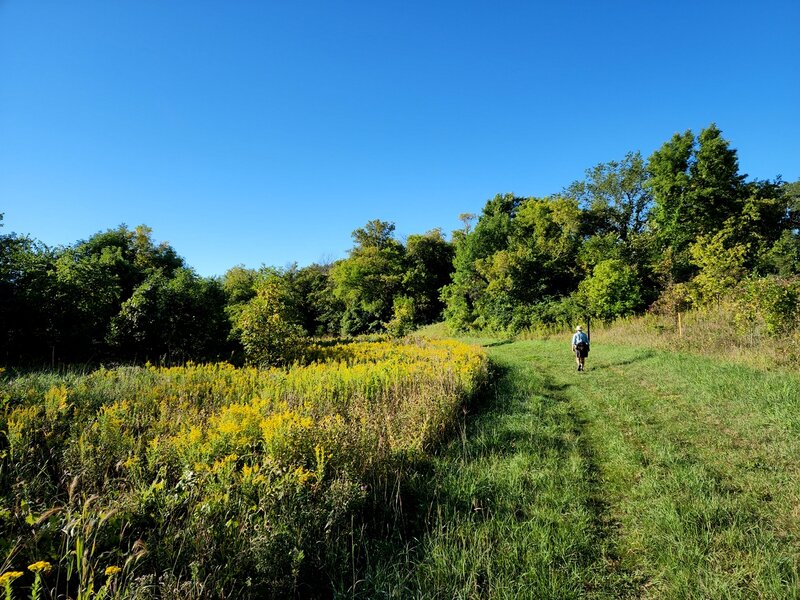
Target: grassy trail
<point>652,475</point>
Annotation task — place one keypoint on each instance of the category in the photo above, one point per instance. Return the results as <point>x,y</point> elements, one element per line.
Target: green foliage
<point>617,215</point>
<point>366,283</point>
<point>239,285</point>
<point>521,252</point>
<point>463,296</point>
<point>611,291</point>
<point>677,297</point>
<point>28,310</point>
<point>697,188</point>
<point>267,326</point>
<point>429,259</point>
<point>117,295</point>
<point>375,234</point>
<point>721,264</point>
<point>771,302</point>
<point>172,319</point>
<point>403,318</point>
<point>598,248</point>
<point>616,197</point>
<point>320,311</point>
<point>380,270</point>
<point>767,225</point>
<point>783,257</point>
<point>307,295</point>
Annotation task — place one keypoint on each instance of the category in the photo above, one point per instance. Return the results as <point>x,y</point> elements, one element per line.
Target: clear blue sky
<point>265,132</point>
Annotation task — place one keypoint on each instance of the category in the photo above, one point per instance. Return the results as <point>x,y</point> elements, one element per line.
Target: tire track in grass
<point>676,445</point>
<point>513,509</point>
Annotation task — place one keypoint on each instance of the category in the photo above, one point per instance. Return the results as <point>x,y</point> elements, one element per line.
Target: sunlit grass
<point>512,512</point>
<point>654,474</point>
<point>715,331</point>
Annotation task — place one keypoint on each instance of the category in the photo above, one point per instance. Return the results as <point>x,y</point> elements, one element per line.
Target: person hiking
<point>580,346</point>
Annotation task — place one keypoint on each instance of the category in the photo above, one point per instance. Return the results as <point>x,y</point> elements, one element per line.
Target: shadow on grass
<point>499,343</point>
<point>638,357</point>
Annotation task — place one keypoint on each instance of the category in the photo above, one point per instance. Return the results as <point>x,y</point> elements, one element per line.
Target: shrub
<point>611,291</point>
<point>771,302</point>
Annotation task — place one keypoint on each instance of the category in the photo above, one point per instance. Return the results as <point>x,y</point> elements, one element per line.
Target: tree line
<point>121,297</point>
<point>682,228</point>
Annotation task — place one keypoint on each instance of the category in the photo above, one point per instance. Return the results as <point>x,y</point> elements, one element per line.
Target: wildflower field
<point>215,481</point>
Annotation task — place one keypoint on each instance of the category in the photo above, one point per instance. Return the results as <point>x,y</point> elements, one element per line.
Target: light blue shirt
<point>579,337</point>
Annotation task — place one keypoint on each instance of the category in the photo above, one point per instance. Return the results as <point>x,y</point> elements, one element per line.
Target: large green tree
<point>521,252</point>
<point>172,319</point>
<point>612,290</point>
<point>615,197</point>
<point>491,234</point>
<point>696,188</point>
<point>617,205</point>
<point>769,227</point>
<point>117,295</point>
<point>367,281</point>
<point>268,324</point>
<point>310,290</point>
<point>429,267</point>
<point>28,307</point>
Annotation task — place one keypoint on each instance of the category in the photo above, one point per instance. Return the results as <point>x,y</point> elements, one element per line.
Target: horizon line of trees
<point>682,228</point>
<point>121,297</point>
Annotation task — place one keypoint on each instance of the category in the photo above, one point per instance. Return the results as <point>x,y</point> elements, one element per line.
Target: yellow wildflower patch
<point>41,566</point>
<point>9,576</point>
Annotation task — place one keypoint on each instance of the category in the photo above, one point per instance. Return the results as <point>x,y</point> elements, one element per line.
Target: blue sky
<point>265,132</point>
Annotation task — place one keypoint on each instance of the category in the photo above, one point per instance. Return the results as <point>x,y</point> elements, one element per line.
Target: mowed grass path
<point>652,475</point>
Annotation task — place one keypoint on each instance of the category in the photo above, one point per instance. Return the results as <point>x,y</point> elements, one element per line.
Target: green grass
<point>652,475</point>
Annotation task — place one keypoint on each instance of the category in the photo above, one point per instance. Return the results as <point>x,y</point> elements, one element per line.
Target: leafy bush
<point>611,291</point>
<point>403,319</point>
<point>771,302</point>
<point>266,328</point>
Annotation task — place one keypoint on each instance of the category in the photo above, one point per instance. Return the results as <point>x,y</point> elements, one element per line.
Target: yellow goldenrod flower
<point>40,566</point>
<point>112,570</point>
<point>9,576</point>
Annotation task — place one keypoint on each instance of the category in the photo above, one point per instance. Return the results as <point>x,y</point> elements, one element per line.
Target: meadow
<point>412,469</point>
<point>208,480</point>
<point>655,474</point>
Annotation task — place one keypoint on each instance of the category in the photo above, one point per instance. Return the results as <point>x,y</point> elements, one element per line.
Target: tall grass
<point>700,467</point>
<point>722,330</point>
<point>715,331</point>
